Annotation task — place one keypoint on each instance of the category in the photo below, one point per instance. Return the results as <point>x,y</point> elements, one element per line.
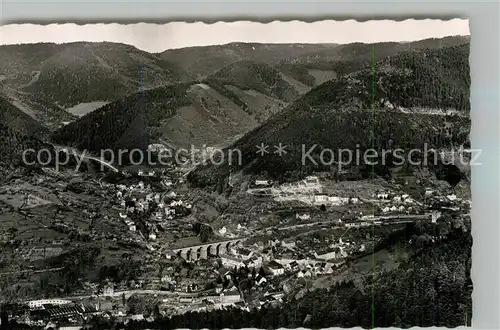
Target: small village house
<point>276,268</point>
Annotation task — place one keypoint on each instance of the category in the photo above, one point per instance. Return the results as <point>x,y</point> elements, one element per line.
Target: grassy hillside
<point>360,111</point>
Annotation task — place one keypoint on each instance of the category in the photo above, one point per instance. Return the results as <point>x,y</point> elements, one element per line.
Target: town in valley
<point>98,244</point>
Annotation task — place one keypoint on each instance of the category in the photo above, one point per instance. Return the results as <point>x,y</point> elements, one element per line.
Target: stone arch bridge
<point>203,251</point>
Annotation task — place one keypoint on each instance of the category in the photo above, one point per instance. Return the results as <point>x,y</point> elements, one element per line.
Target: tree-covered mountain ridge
<point>367,109</point>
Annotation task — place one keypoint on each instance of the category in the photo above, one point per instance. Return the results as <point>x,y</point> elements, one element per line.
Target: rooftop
<point>275,265</point>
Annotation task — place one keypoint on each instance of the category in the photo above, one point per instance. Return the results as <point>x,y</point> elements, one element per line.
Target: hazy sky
<point>156,37</point>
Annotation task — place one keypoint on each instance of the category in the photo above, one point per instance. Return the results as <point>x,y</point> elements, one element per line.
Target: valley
<point>119,205</point>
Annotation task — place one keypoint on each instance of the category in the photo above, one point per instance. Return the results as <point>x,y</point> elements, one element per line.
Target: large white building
<point>229,297</point>
<point>40,303</point>
<point>231,261</point>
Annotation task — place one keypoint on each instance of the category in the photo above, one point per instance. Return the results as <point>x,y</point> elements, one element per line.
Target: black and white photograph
<point>236,175</point>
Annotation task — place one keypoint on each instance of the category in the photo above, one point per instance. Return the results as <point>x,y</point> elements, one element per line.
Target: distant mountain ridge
<point>203,61</point>
<point>351,57</point>
<point>56,83</point>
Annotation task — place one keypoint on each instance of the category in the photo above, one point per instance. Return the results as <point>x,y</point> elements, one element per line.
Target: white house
<point>157,198</point>
<point>326,256</point>
<point>382,195</point>
<point>435,216</point>
<point>261,182</point>
<point>276,268</point>
<point>223,231</point>
<point>304,216</point>
<point>289,245</point>
<point>292,266</point>
<point>312,179</point>
<point>320,198</point>
<point>304,273</point>
<point>230,297</point>
<point>260,280</point>
<point>137,317</point>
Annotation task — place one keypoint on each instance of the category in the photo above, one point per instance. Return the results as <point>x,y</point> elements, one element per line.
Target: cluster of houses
<point>310,184</point>
<point>396,203</point>
<point>278,263</point>
<point>138,199</point>
<point>304,268</point>
<point>241,257</point>
<point>308,191</point>
<point>49,312</point>
<point>197,302</point>
<point>320,199</point>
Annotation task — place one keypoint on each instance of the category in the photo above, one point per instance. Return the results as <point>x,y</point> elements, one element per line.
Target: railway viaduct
<point>196,252</point>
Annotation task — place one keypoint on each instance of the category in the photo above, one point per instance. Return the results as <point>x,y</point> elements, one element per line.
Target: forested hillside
<point>365,109</point>
<point>73,73</point>
<point>258,76</point>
